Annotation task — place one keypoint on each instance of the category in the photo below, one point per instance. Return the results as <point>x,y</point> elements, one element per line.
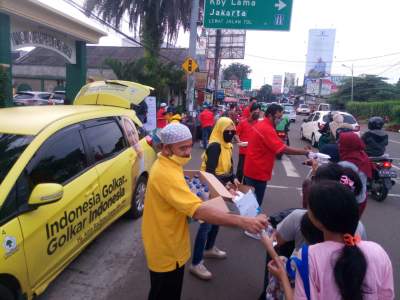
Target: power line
<point>330,62</point>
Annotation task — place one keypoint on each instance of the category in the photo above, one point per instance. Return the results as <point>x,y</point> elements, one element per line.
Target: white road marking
<point>282,187</point>
<point>396,142</point>
<point>396,167</point>
<point>289,167</point>
<point>394,195</point>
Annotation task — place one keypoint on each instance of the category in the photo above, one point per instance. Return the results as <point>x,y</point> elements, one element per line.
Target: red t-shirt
<point>206,118</point>
<point>264,145</point>
<point>243,130</point>
<point>161,118</point>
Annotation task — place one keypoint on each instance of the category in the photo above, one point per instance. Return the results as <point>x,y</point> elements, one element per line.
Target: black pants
<point>240,166</point>
<point>166,285</point>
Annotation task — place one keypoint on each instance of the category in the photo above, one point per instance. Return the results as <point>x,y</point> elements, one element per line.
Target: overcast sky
<point>364,28</point>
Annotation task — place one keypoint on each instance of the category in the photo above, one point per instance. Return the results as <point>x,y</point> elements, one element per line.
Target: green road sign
<point>246,84</point>
<point>248,14</point>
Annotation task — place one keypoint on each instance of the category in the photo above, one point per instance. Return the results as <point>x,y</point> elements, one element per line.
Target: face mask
<point>180,160</point>
<point>228,135</point>
<point>277,120</point>
<point>255,116</point>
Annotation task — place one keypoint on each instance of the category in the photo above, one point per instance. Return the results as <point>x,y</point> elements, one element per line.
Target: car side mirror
<point>45,193</point>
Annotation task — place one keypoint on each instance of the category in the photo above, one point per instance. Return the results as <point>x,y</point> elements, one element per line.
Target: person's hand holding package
<point>255,224</point>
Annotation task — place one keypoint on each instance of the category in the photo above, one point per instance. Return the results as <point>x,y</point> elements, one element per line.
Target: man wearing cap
<point>168,204</point>
<point>206,118</point>
<point>161,116</point>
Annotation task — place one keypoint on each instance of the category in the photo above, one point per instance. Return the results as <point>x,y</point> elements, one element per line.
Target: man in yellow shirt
<point>169,202</point>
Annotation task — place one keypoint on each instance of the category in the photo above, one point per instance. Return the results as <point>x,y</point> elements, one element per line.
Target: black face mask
<point>228,135</point>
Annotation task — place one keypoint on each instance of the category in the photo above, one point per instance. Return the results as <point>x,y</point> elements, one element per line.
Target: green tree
<point>366,88</point>
<point>164,78</point>
<point>299,90</point>
<point>265,93</point>
<point>4,86</point>
<point>236,71</point>
<point>155,20</point>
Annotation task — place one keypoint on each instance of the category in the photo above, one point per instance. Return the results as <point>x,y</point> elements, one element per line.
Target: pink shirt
<point>322,257</point>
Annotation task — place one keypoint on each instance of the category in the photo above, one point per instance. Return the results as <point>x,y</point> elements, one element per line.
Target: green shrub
<point>366,110</point>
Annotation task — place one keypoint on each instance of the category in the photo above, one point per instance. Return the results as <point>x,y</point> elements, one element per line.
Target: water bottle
<point>206,194</point>
<point>193,188</point>
<point>200,195</point>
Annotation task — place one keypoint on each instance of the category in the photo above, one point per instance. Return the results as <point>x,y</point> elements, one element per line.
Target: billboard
<point>289,82</point>
<point>277,84</point>
<point>321,44</point>
<point>232,45</point>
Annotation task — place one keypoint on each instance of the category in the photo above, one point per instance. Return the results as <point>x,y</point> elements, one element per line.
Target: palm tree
<point>155,19</point>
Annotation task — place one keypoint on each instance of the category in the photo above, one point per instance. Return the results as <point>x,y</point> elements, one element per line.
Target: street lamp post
<point>352,80</point>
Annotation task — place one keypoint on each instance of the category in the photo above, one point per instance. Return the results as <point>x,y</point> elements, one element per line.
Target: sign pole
<point>217,62</point>
<point>192,53</point>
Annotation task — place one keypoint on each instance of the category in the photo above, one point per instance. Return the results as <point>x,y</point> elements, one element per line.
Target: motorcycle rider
<point>375,139</point>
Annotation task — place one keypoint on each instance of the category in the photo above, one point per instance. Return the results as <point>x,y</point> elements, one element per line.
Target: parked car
<point>57,97</point>
<point>303,109</point>
<point>66,174</point>
<point>289,112</point>
<point>31,98</point>
<point>324,107</point>
<point>309,130</point>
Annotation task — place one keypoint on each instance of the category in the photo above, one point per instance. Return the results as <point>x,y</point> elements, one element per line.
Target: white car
<point>303,109</point>
<point>309,130</point>
<point>289,112</point>
<point>31,98</point>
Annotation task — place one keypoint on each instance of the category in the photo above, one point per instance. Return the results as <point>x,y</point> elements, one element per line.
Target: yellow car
<point>66,173</point>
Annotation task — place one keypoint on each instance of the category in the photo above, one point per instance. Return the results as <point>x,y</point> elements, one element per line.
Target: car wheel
<point>313,141</point>
<point>302,135</point>
<point>6,293</point>
<point>137,205</point>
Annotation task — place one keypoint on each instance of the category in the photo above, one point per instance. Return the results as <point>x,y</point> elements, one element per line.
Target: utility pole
<point>192,53</point>
<point>352,80</point>
<point>217,63</point>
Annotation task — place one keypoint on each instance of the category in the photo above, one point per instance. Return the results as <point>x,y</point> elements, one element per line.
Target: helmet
<point>375,123</point>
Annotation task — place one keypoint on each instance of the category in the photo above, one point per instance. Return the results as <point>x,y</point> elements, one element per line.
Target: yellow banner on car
<point>117,93</point>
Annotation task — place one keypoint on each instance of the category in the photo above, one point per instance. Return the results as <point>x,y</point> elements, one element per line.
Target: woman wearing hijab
<point>352,155</point>
<point>337,123</point>
<point>217,160</point>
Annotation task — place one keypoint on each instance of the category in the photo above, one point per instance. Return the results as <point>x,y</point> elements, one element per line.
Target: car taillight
<point>281,134</point>
<point>149,140</point>
<point>387,165</point>
<point>357,128</point>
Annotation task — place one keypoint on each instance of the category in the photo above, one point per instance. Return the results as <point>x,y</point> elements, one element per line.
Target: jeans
<point>205,240</point>
<point>166,285</point>
<point>259,188</point>
<point>206,132</point>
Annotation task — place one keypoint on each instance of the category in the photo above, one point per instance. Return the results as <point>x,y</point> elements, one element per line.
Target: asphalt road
<point>113,266</point>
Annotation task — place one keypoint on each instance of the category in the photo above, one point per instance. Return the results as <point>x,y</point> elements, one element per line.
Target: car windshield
<point>11,147</point>
<point>23,96</point>
<point>288,108</point>
<point>349,119</point>
<point>303,106</point>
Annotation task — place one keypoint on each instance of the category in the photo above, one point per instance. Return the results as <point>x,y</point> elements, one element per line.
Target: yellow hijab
<point>217,136</point>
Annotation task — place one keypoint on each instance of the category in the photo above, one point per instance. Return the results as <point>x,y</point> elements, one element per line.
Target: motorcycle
<point>382,177</point>
<point>284,136</point>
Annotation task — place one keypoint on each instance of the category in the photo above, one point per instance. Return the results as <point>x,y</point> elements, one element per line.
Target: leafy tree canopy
<point>236,71</point>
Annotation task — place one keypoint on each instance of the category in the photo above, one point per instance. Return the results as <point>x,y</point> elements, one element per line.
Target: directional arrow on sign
<point>280,5</point>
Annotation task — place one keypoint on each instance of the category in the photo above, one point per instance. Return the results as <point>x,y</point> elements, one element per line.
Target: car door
<point>53,233</point>
<point>114,160</point>
<point>314,124</point>
<point>307,126</point>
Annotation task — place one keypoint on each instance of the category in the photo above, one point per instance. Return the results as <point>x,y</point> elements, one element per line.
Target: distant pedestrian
<point>243,131</point>
<point>206,118</point>
<point>169,202</point>
<point>162,116</point>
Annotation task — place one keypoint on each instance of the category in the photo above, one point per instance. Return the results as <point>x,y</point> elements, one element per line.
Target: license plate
<point>387,173</point>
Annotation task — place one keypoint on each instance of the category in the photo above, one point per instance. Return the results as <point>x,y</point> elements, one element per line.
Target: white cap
<point>175,133</point>
<point>163,104</point>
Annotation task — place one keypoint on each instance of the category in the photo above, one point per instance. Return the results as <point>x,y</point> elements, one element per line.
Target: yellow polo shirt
<point>168,203</point>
